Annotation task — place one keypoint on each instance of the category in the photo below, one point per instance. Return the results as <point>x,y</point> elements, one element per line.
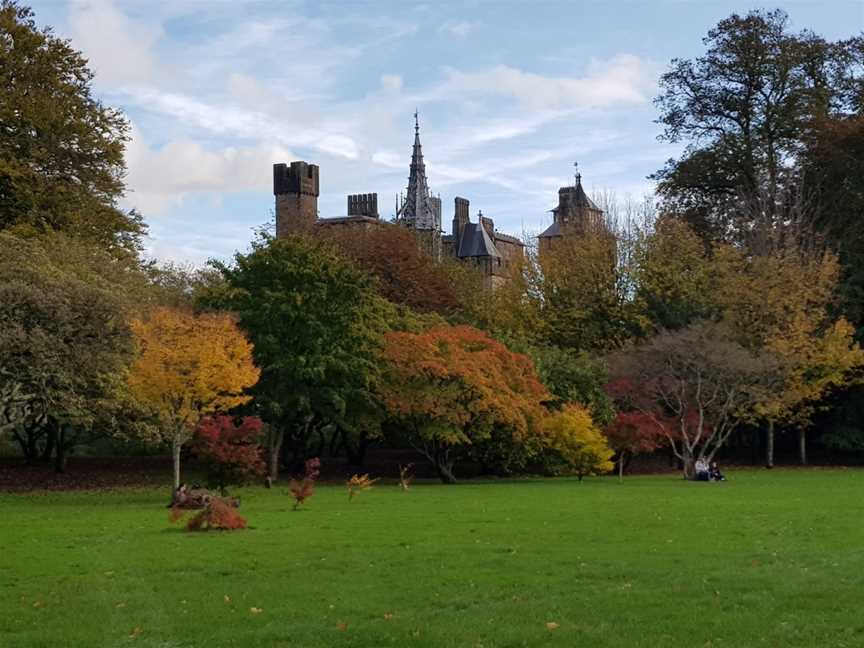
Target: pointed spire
<point>419,209</point>
<point>578,180</point>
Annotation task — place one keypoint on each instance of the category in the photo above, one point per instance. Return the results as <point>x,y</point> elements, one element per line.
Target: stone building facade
<point>296,189</point>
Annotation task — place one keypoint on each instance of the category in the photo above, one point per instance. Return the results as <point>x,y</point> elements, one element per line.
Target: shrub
<point>304,488</point>
<point>217,514</point>
<point>359,483</point>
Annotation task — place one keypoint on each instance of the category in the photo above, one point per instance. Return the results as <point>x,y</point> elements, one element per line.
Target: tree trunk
<point>274,440</point>
<point>802,446</point>
<point>176,447</point>
<point>769,445</point>
<point>689,467</point>
<point>621,466</point>
<point>60,452</point>
<point>50,442</point>
<point>445,472</point>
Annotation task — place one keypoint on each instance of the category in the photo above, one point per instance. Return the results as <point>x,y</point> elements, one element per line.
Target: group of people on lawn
<point>708,472</point>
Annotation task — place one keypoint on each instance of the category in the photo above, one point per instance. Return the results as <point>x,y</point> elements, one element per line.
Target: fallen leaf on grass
<point>227,598</point>
<point>388,615</point>
<point>136,632</point>
<point>255,610</point>
<point>342,626</point>
<point>120,605</point>
<point>38,604</point>
<point>551,625</point>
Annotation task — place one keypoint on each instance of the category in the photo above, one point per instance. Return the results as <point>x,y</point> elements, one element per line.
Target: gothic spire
<point>419,210</point>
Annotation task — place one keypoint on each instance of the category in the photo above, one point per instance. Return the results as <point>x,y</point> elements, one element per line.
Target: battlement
<point>299,178</point>
<point>363,205</point>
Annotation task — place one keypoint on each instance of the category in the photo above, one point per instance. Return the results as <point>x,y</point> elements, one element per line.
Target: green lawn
<point>768,558</point>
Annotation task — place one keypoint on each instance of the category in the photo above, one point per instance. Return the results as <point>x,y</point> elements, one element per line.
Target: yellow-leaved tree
<point>190,366</point>
<point>783,303</point>
<point>574,443</point>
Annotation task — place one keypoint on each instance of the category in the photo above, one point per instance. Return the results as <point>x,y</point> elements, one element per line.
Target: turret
<point>296,190</point>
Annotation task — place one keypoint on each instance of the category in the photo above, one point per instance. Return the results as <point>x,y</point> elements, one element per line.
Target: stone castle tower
<point>418,209</point>
<point>575,214</point>
<point>296,190</point>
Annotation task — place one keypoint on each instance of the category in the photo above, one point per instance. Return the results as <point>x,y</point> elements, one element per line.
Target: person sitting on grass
<point>701,470</point>
<point>714,472</point>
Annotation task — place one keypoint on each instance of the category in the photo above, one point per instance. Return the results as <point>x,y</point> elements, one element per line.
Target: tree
<point>61,150</point>
<point>405,274</point>
<point>586,304</point>
<point>744,109</point>
<point>782,304</point>
<point>456,392</point>
<point>229,449</point>
<point>633,433</point>
<point>574,444</point>
<point>64,342</point>
<point>695,385</point>
<point>316,324</point>
<point>188,367</point>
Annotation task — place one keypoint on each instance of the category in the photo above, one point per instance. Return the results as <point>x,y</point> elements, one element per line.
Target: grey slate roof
<point>550,232</point>
<point>508,239</point>
<point>476,242</point>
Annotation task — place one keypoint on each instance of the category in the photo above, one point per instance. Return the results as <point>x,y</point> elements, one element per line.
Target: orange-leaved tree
<point>190,366</point>
<point>455,391</point>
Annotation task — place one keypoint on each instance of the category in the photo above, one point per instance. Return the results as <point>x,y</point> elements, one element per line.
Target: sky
<point>510,95</point>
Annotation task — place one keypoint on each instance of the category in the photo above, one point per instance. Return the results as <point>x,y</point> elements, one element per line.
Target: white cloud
<point>391,82</point>
<point>161,178</point>
<point>460,29</point>
<point>118,49</point>
<point>624,79</point>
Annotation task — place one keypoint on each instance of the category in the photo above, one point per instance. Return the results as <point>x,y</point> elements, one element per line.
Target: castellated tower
<point>296,191</point>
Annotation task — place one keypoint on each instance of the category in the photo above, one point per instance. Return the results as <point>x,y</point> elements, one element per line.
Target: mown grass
<point>766,559</point>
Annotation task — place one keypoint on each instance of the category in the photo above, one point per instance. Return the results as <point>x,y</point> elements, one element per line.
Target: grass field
<point>766,559</point>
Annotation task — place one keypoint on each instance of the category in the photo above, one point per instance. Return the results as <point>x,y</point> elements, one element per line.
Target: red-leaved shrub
<point>304,488</point>
<point>216,515</point>
<point>229,449</point>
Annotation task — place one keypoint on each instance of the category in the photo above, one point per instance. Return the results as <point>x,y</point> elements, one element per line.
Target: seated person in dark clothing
<point>714,473</point>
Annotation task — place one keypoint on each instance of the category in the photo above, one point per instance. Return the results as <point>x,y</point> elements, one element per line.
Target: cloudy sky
<point>510,94</point>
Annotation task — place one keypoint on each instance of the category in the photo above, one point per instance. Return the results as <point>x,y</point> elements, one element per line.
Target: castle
<point>296,189</point>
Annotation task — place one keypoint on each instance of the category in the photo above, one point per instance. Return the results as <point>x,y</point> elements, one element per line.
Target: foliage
<point>633,433</point>
<point>229,450</point>
<point>574,444</point>
<point>304,488</point>
<point>188,367</point>
<point>357,484</point>
<point>61,150</point>
<point>316,323</point>
<point>455,391</point>
<point>695,385</point>
<point>575,378</point>
<point>64,343</point>
<point>586,294</point>
<point>405,274</point>
<point>673,276</point>
<point>217,515</point>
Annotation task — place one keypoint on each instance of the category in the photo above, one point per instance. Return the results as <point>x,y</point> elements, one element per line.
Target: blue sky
<point>509,94</point>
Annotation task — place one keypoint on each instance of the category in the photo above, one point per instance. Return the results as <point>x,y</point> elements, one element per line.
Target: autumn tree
<point>632,433</point>
<point>586,293</point>
<point>405,274</point>
<point>696,385</point>
<point>782,304</point>
<point>316,323</point>
<point>229,448</point>
<point>61,149</point>
<point>574,444</point>
<point>188,367</point>
<point>455,392</point>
